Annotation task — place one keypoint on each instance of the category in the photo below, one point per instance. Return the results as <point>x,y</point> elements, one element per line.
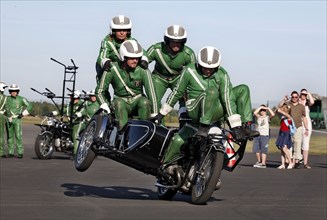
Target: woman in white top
<point>307,100</point>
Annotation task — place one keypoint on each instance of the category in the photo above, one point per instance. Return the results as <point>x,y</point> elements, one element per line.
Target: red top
<point>283,126</point>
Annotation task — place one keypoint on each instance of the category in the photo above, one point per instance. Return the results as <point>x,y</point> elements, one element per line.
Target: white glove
<point>25,112</point>
<point>79,114</point>
<point>235,120</point>
<point>165,109</point>
<point>105,107</point>
<point>54,113</point>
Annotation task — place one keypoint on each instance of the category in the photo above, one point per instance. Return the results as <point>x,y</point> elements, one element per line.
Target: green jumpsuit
<point>129,99</point>
<point>209,99</point>
<point>76,121</point>
<point>168,67</point>
<point>13,109</point>
<point>2,123</point>
<point>109,50</point>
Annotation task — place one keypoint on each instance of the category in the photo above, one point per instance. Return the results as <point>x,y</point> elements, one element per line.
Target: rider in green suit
<point>170,57</point>
<point>121,28</point>
<point>3,98</point>
<point>210,99</point>
<point>128,79</point>
<point>15,108</point>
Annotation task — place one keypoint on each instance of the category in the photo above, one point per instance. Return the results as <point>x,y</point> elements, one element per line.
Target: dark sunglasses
<point>295,97</point>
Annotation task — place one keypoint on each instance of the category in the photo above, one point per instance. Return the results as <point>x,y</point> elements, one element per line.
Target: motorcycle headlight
<point>50,122</point>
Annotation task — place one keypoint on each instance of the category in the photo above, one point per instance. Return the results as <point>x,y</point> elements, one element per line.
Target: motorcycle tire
<point>85,155</point>
<point>43,146</point>
<point>205,181</point>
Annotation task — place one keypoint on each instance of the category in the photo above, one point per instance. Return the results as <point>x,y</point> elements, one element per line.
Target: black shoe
<point>11,156</point>
<point>202,131</point>
<point>297,166</point>
<point>250,133</point>
<point>20,156</point>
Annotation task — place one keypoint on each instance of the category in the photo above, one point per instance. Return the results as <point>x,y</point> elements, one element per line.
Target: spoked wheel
<point>43,146</point>
<point>85,155</point>
<point>207,177</point>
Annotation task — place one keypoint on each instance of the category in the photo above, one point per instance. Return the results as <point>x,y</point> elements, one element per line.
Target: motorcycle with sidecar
<point>142,146</point>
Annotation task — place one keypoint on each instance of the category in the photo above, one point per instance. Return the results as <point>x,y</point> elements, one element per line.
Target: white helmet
<point>175,33</point>
<point>14,87</point>
<point>130,48</point>
<point>76,94</point>
<point>120,22</point>
<point>92,92</point>
<point>2,86</point>
<point>209,57</point>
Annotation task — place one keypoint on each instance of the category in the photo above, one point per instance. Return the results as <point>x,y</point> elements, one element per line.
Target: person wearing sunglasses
<point>307,100</point>
<point>297,111</point>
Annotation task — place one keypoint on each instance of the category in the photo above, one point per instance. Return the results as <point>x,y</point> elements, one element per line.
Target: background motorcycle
<point>55,135</point>
<point>143,145</point>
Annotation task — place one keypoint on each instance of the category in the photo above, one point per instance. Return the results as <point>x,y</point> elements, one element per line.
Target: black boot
<point>202,131</point>
<point>248,132</point>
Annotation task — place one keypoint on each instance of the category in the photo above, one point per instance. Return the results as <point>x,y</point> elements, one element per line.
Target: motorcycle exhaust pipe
<point>167,176</point>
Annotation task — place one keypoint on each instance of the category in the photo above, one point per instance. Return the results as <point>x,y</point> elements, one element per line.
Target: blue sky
<point>274,47</point>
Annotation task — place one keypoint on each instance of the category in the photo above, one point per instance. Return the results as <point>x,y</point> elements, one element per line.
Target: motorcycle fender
<point>45,131</point>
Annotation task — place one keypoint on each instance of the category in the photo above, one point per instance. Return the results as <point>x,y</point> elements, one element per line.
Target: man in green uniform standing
<point>77,105</point>
<point>170,57</point>
<point>85,114</point>
<point>128,80</point>
<point>15,108</point>
<point>120,27</point>
<point>210,100</point>
<point>2,118</point>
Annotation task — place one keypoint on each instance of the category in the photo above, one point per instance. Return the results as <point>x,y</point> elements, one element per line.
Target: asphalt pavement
<point>33,189</point>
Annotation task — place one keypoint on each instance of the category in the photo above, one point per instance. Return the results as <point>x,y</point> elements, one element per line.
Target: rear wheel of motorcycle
<point>84,154</point>
<point>43,146</point>
<point>205,182</point>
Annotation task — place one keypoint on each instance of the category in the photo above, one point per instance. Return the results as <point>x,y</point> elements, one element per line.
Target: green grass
<point>318,145</point>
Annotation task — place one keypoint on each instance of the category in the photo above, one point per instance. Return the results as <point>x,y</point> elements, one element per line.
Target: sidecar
<point>141,146</point>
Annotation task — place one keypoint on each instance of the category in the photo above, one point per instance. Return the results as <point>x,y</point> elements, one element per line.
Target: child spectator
<point>284,140</point>
<point>260,143</point>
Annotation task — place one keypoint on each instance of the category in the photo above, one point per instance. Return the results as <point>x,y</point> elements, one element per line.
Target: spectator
<point>2,119</point>
<point>260,143</point>
<point>307,100</point>
<point>15,108</point>
<point>284,140</point>
<point>297,112</point>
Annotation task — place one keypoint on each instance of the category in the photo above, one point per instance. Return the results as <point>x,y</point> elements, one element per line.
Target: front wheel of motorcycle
<point>206,178</point>
<point>84,154</point>
<point>43,146</point>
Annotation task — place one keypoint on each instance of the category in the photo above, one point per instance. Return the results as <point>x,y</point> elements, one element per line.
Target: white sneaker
<point>290,166</point>
<point>257,164</point>
<point>281,167</point>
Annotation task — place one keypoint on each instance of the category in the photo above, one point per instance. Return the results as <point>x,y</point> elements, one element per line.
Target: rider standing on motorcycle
<point>128,79</point>
<point>2,118</point>
<point>15,108</point>
<point>120,27</point>
<point>209,93</point>
<point>170,57</point>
